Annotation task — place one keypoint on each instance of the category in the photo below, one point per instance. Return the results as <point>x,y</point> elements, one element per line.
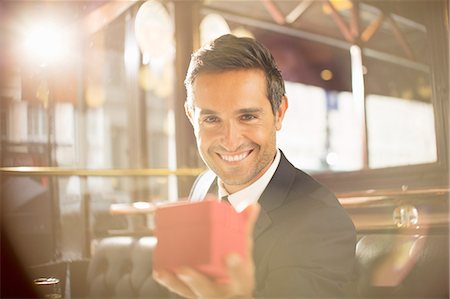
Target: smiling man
<point>301,242</point>
<point>234,125</point>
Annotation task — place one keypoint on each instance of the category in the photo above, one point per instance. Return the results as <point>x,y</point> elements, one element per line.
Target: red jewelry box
<point>198,235</point>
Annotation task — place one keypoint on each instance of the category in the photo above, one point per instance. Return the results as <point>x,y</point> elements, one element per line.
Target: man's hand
<point>190,283</point>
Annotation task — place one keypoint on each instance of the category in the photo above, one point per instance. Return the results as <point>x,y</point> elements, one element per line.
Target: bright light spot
<point>242,32</point>
<point>154,30</point>
<point>326,75</point>
<point>145,58</point>
<point>46,44</point>
<point>339,5</point>
<point>141,205</point>
<point>364,70</point>
<point>357,77</point>
<point>211,27</point>
<point>131,55</point>
<point>332,158</point>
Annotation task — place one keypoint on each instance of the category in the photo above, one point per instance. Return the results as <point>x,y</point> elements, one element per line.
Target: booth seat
<point>121,267</point>
<point>388,266</point>
<point>403,266</point>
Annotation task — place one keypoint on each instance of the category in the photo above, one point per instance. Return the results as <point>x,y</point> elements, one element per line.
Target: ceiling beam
<point>370,30</point>
<point>103,15</point>
<point>298,11</point>
<point>400,37</point>
<point>334,42</point>
<point>354,25</point>
<point>274,11</point>
<point>343,27</point>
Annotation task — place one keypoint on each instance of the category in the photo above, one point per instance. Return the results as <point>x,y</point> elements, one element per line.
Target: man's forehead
<point>237,110</point>
<point>236,81</point>
<point>235,91</point>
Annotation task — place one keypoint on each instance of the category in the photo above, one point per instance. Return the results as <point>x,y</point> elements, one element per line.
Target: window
<point>107,106</point>
<point>401,132</point>
<point>348,110</point>
<point>320,130</point>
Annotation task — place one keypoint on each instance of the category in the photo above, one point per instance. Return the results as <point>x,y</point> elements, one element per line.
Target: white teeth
<point>235,157</point>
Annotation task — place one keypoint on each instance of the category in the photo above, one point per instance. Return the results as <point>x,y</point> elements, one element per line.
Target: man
<point>302,243</point>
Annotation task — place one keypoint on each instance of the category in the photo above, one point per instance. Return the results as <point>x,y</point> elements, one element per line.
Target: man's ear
<point>188,109</point>
<point>280,113</point>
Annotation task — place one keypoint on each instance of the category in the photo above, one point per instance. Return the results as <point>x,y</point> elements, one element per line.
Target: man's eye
<point>247,117</point>
<point>211,119</point>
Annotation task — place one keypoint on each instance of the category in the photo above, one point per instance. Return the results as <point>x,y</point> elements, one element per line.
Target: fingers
<point>173,283</point>
<point>201,285</point>
<point>190,283</point>
<point>241,270</point>
<point>241,275</point>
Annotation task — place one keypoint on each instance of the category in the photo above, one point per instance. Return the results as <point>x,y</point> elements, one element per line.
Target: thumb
<point>242,281</point>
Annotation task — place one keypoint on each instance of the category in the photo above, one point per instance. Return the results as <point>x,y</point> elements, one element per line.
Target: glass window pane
<point>345,151</point>
<point>303,136</point>
<point>401,132</point>
<point>321,129</point>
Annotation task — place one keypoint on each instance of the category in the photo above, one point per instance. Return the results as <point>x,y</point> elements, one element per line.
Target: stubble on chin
<point>242,178</point>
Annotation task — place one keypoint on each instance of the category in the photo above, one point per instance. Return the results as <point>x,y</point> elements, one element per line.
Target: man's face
<point>234,125</point>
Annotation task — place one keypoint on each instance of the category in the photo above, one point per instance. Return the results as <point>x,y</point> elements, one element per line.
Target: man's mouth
<point>235,158</point>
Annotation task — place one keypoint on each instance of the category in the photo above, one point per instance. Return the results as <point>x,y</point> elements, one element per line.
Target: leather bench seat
<point>403,266</point>
<point>388,266</point>
<point>121,267</point>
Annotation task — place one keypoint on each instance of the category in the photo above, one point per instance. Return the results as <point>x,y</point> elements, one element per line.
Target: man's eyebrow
<point>240,111</point>
<point>207,111</point>
<point>250,110</point>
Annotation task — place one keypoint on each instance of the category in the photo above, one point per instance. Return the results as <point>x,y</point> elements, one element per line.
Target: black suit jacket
<point>304,241</point>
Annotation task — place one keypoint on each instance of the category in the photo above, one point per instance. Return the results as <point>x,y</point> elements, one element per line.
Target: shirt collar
<point>242,199</point>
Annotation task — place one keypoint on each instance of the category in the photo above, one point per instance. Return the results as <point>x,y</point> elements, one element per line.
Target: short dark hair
<point>229,52</point>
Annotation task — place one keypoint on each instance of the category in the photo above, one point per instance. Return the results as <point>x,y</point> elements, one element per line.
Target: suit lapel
<point>274,195</point>
<point>261,224</point>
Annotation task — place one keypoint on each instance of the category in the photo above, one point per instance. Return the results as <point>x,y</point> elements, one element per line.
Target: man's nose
<point>230,136</point>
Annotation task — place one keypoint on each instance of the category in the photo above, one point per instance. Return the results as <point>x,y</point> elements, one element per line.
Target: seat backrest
<point>403,266</point>
<point>121,267</point>
<point>389,266</point>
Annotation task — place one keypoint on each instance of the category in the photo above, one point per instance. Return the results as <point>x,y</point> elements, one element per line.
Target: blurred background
<point>93,132</point>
